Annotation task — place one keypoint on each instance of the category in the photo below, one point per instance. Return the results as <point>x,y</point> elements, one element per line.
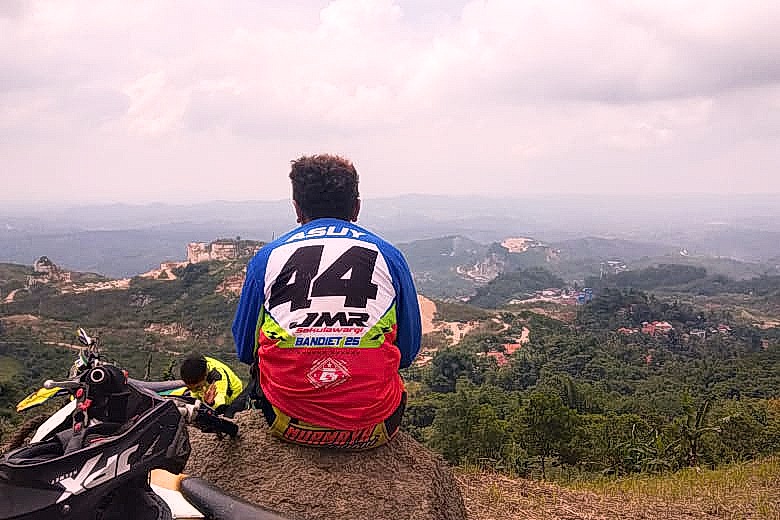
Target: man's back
<point>336,315</point>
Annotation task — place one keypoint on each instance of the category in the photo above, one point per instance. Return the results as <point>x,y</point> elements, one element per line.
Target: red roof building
<point>511,348</point>
<point>657,327</point>
<point>499,357</point>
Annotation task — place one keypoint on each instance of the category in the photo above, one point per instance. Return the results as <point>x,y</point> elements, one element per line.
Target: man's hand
<point>210,394</point>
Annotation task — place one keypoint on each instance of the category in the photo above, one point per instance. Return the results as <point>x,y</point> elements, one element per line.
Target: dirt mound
<point>399,481</point>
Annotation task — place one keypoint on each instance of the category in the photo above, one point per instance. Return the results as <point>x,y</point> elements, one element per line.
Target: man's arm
<point>245,323</point>
<point>407,310</point>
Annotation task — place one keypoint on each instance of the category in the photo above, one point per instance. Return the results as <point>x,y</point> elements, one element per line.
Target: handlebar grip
<point>215,503</point>
<point>208,421</point>
<point>67,385</point>
<point>230,428</point>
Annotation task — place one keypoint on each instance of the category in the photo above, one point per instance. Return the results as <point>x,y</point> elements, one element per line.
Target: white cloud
<point>520,90</point>
<point>155,106</point>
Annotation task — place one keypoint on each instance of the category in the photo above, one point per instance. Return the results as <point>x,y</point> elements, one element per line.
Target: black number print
<point>295,279</point>
<point>302,265</point>
<point>357,289</point>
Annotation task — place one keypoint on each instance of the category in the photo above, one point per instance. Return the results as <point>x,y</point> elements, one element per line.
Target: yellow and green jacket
<point>227,383</point>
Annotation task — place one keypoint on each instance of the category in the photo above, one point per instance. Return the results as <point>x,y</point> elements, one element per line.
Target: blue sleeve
<point>250,305</point>
<point>407,310</point>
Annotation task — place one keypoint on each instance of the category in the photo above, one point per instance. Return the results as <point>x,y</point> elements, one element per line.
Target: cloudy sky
<point>196,100</point>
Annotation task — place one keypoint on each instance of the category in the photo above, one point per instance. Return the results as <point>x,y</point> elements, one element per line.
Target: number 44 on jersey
<point>297,284</point>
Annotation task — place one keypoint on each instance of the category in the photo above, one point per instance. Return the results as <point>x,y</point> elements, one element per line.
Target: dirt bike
<point>88,356</point>
<point>93,460</point>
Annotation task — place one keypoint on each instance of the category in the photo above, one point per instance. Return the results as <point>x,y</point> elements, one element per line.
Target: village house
<point>511,348</point>
<point>699,333</point>
<point>498,356</point>
<point>656,327</point>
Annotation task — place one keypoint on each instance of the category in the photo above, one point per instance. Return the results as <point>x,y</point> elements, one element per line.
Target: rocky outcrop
<point>46,272</point>
<point>224,249</point>
<point>402,480</point>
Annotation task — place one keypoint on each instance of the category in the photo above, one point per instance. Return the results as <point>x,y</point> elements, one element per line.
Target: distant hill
<point>435,263</point>
<point>117,253</point>
<point>663,275</point>
<point>444,252</point>
<point>514,284</point>
<point>715,266</point>
<point>601,249</point>
<point>12,276</point>
<point>724,240</point>
<point>456,266</point>
<point>127,239</point>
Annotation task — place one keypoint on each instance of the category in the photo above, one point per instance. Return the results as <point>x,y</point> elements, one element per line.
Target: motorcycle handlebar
<point>218,505</point>
<point>204,417</point>
<point>67,385</point>
<point>157,386</point>
<point>207,420</point>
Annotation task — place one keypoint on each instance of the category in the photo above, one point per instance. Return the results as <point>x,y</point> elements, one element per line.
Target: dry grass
<point>744,491</point>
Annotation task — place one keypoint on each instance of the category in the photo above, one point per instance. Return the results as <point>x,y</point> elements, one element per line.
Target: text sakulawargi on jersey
<point>333,313</point>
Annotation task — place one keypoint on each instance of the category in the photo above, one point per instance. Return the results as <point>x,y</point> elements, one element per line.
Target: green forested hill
<point>600,249</point>
<point>574,398</point>
<point>581,398</point>
<point>434,263</point>
<point>520,283</point>
<point>143,328</point>
<point>12,276</point>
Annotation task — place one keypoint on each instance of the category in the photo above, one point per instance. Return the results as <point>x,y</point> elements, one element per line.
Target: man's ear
<point>355,211</point>
<point>298,212</point>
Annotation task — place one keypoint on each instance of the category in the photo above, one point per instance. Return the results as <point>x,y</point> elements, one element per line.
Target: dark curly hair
<point>193,369</point>
<point>325,186</point>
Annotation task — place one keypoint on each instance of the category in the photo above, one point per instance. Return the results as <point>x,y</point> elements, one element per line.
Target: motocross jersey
<point>329,312</point>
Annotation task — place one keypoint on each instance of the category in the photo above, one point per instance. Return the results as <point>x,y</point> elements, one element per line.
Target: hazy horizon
<point>28,205</point>
<point>125,239</point>
<point>164,101</point>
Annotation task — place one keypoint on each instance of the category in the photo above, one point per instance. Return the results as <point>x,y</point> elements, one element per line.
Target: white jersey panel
<point>326,286</point>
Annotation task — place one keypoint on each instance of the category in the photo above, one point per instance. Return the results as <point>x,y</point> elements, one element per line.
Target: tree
<point>614,444</point>
<point>168,374</point>
<point>742,433</point>
<point>521,373</point>
<point>546,426</point>
<point>448,366</point>
<point>148,367</point>
<point>467,430</point>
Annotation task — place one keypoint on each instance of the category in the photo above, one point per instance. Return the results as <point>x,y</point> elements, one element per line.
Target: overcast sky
<point>190,100</point>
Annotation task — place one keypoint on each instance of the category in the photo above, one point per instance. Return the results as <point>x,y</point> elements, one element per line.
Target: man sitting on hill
<point>213,382</point>
<point>328,314</point>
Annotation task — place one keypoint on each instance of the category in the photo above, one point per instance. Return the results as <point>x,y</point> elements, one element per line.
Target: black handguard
<point>202,416</point>
<point>215,504</point>
<point>207,420</point>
